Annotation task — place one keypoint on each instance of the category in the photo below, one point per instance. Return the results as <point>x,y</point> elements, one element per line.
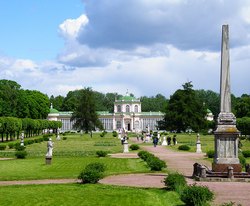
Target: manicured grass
<point>74,145</point>
<point>63,167</point>
<point>91,195</point>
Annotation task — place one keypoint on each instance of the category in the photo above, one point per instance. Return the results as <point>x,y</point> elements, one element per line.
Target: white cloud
<point>71,27</point>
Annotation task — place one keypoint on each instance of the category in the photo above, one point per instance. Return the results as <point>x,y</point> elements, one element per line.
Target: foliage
<point>64,138</point>
<point>85,115</point>
<point>114,133</point>
<point>210,153</point>
<point>184,147</point>
<point>92,173</point>
<point>152,161</point>
<point>2,146</point>
<point>101,153</point>
<point>246,153</point>
<point>21,154</point>
<point>242,107</point>
<point>194,195</point>
<point>157,103</point>
<point>11,145</point>
<point>18,147</point>
<point>242,159</point>
<point>134,147</point>
<point>243,124</point>
<point>185,110</point>
<point>175,182</point>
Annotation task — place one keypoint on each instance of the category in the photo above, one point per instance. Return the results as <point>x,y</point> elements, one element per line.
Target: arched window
<point>118,108</point>
<point>127,108</point>
<point>136,108</point>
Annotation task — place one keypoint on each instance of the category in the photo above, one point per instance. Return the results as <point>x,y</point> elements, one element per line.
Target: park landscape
<point>71,154</point>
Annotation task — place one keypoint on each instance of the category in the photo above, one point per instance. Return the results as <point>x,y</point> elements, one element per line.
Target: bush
<point>196,195</point>
<point>246,153</point>
<point>153,162</point>
<point>144,155</point>
<point>184,147</point>
<point>114,133</point>
<point>92,173</point>
<point>210,153</point>
<point>2,147</point>
<point>101,153</point>
<point>230,204</point>
<point>175,182</point>
<point>134,147</point>
<point>11,145</point>
<point>21,154</point>
<point>242,160</point>
<point>156,164</point>
<point>64,138</point>
<point>18,147</point>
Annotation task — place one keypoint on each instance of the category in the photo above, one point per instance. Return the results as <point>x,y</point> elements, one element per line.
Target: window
<point>118,108</point>
<point>118,125</point>
<point>127,108</point>
<point>136,108</point>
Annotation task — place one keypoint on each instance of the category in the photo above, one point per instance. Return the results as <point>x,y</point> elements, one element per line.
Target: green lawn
<point>89,195</point>
<point>63,167</point>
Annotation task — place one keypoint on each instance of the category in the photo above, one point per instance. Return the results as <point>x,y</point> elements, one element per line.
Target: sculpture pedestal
<point>198,147</point>
<point>226,149</point>
<point>48,160</point>
<point>125,147</point>
<point>224,167</point>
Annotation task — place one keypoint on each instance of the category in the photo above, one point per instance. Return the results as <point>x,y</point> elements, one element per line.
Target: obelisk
<point>226,134</point>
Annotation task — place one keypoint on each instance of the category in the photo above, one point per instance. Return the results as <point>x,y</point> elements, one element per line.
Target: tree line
<point>184,109</point>
<point>10,127</point>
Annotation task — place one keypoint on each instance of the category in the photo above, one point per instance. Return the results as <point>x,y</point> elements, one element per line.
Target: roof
<point>53,111</point>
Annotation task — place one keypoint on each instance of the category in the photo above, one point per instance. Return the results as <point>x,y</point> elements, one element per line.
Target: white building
<point>127,114</point>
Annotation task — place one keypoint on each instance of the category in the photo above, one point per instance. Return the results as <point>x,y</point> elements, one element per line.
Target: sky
<point>144,47</point>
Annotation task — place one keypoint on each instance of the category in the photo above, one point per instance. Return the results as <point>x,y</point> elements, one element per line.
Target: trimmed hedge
<point>175,182</point>
<point>101,153</point>
<point>246,153</point>
<point>2,147</point>
<point>21,154</point>
<point>184,147</point>
<point>152,161</point>
<point>210,153</point>
<point>92,173</point>
<point>134,147</point>
<point>194,195</point>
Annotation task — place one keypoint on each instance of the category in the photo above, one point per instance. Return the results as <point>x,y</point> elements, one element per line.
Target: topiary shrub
<point>134,147</point>
<point>155,163</point>
<point>64,138</point>
<point>21,154</point>
<point>210,153</point>
<point>92,173</point>
<point>144,155</point>
<point>18,147</point>
<point>246,153</point>
<point>194,195</point>
<point>2,147</point>
<point>175,182</point>
<point>11,145</point>
<point>184,147</point>
<point>101,153</point>
<point>114,133</point>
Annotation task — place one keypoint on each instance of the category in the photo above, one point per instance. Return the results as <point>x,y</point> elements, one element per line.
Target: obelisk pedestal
<point>226,134</point>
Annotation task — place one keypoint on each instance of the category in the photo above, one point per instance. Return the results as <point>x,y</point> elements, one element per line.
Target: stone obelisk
<point>226,134</point>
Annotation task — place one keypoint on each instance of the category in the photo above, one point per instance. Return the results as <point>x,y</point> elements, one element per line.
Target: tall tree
<point>242,107</point>
<point>57,102</point>
<point>185,110</point>
<point>210,99</point>
<point>85,116</point>
<point>157,103</point>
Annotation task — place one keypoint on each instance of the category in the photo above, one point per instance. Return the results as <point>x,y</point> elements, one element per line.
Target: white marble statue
<point>50,148</point>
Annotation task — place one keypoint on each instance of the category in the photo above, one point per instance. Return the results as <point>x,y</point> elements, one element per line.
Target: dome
<point>127,98</point>
<point>53,111</point>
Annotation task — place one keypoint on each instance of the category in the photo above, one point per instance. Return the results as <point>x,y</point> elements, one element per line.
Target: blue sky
<point>146,47</point>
